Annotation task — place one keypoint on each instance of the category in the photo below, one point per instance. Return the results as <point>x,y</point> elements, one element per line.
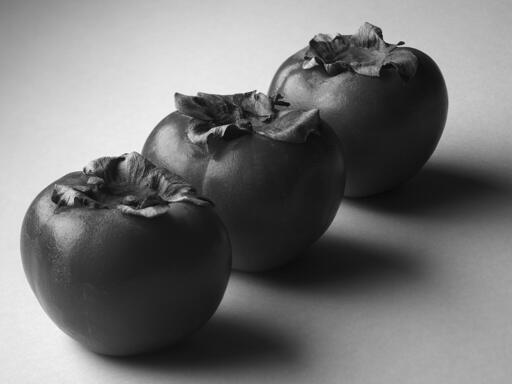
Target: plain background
<point>414,286</point>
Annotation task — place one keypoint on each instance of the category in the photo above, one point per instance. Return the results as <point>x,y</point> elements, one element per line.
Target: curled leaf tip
<point>364,53</point>
<point>68,196</point>
<point>217,118</point>
<point>129,183</point>
<point>293,126</point>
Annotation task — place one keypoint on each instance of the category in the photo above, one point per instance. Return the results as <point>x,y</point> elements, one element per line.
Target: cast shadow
<point>334,266</point>
<point>225,343</point>
<point>439,189</point>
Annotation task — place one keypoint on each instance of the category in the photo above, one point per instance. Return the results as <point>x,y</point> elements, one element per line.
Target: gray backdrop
<point>410,287</point>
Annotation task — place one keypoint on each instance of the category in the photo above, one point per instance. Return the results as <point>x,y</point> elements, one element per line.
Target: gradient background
<point>414,286</point>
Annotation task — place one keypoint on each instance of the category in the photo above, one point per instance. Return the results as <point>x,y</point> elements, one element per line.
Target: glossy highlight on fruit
<point>275,174</point>
<point>387,103</point>
<point>124,256</point>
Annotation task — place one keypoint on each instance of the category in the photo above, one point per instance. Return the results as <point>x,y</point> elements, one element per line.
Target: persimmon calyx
<point>364,53</point>
<point>129,183</point>
<point>229,117</point>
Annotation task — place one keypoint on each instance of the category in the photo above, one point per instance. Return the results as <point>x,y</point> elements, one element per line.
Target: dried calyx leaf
<point>130,183</point>
<point>365,53</point>
<point>227,117</point>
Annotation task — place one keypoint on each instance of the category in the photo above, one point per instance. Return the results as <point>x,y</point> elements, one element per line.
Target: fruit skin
<point>276,198</point>
<point>388,127</point>
<point>122,284</point>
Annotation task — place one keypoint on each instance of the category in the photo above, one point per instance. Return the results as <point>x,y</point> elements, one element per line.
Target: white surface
<point>410,287</point>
